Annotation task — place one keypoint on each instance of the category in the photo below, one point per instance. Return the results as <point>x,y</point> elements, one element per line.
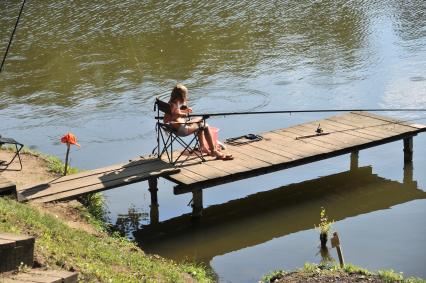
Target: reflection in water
<point>263,216</point>
<point>127,223</point>
<point>326,258</point>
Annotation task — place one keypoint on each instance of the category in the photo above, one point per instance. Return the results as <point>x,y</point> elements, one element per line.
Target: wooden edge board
<point>419,126</point>
<point>16,237</point>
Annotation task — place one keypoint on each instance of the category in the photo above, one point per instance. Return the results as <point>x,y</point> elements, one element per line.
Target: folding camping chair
<point>18,146</point>
<point>167,135</point>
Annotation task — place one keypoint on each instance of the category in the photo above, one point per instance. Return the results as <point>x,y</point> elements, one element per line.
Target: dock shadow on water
<point>263,216</point>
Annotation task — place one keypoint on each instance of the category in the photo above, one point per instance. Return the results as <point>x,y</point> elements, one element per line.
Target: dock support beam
<point>153,189</point>
<point>197,203</point>
<point>408,150</point>
<point>354,160</point>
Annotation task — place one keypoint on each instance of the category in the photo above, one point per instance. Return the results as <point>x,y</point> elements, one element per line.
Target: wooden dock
<point>279,149</point>
<point>72,186</point>
<point>297,145</point>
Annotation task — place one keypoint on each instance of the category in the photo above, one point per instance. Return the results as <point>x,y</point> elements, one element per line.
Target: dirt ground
<point>34,172</point>
<point>336,276</point>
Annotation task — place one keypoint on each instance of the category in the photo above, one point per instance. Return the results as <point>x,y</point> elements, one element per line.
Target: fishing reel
<point>319,130</point>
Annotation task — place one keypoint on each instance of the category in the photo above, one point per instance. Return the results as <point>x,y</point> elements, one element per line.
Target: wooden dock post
<point>335,243</point>
<point>197,203</point>
<point>408,149</point>
<point>154,214</point>
<point>354,160</point>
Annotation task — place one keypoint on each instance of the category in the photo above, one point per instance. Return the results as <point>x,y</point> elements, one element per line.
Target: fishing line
<point>11,37</point>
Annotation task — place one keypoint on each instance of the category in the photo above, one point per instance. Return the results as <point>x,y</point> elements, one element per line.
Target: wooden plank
<point>48,188</point>
<point>35,278</point>
<point>334,128</point>
<point>259,154</point>
<point>6,186</point>
<point>313,142</point>
<point>302,132</point>
<point>241,161</point>
<point>247,160</point>
<point>206,171</point>
<point>343,138</point>
<point>16,238</point>
<point>228,166</point>
<point>270,146</point>
<point>364,127</point>
<point>348,129</point>
<point>373,123</point>
<point>100,183</point>
<point>66,276</point>
<point>189,177</point>
<point>300,147</point>
<point>296,148</point>
<point>384,118</point>
<point>104,170</point>
<point>7,244</point>
<point>93,188</point>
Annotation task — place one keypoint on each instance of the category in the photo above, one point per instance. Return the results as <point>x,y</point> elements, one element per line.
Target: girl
<point>179,111</point>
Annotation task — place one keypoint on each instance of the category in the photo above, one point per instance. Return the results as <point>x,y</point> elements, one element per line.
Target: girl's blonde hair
<point>179,92</point>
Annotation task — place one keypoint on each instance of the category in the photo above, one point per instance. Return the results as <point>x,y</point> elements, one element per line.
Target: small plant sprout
<point>324,227</point>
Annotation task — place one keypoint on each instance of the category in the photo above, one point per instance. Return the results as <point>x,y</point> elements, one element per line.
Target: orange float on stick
<point>69,139</point>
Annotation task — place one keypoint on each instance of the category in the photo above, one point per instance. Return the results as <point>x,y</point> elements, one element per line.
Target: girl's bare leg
<point>193,128</point>
<point>209,139</point>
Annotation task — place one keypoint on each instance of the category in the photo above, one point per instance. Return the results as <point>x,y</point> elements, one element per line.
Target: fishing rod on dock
<point>309,111</point>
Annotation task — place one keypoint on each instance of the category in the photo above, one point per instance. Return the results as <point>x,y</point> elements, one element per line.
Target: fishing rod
<point>308,111</point>
<point>11,37</point>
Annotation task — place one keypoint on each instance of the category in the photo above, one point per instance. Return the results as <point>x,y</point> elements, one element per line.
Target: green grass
<point>97,258</point>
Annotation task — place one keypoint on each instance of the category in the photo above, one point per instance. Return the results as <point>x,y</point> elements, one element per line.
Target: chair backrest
<point>163,106</point>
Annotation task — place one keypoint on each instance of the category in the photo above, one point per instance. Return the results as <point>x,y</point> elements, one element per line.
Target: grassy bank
<point>98,257</point>
<point>330,272</point>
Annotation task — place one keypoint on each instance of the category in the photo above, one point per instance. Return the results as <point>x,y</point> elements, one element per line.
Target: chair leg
<point>166,144</point>
<point>188,146</point>
<point>17,154</point>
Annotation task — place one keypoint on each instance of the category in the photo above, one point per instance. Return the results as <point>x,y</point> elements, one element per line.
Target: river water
<point>95,69</point>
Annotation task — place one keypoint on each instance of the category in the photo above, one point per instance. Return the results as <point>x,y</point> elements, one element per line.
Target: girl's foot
<point>221,156</point>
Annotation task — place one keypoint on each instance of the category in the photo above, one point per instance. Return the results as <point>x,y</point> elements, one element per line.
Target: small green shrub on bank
<point>97,258</point>
<point>389,276</point>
